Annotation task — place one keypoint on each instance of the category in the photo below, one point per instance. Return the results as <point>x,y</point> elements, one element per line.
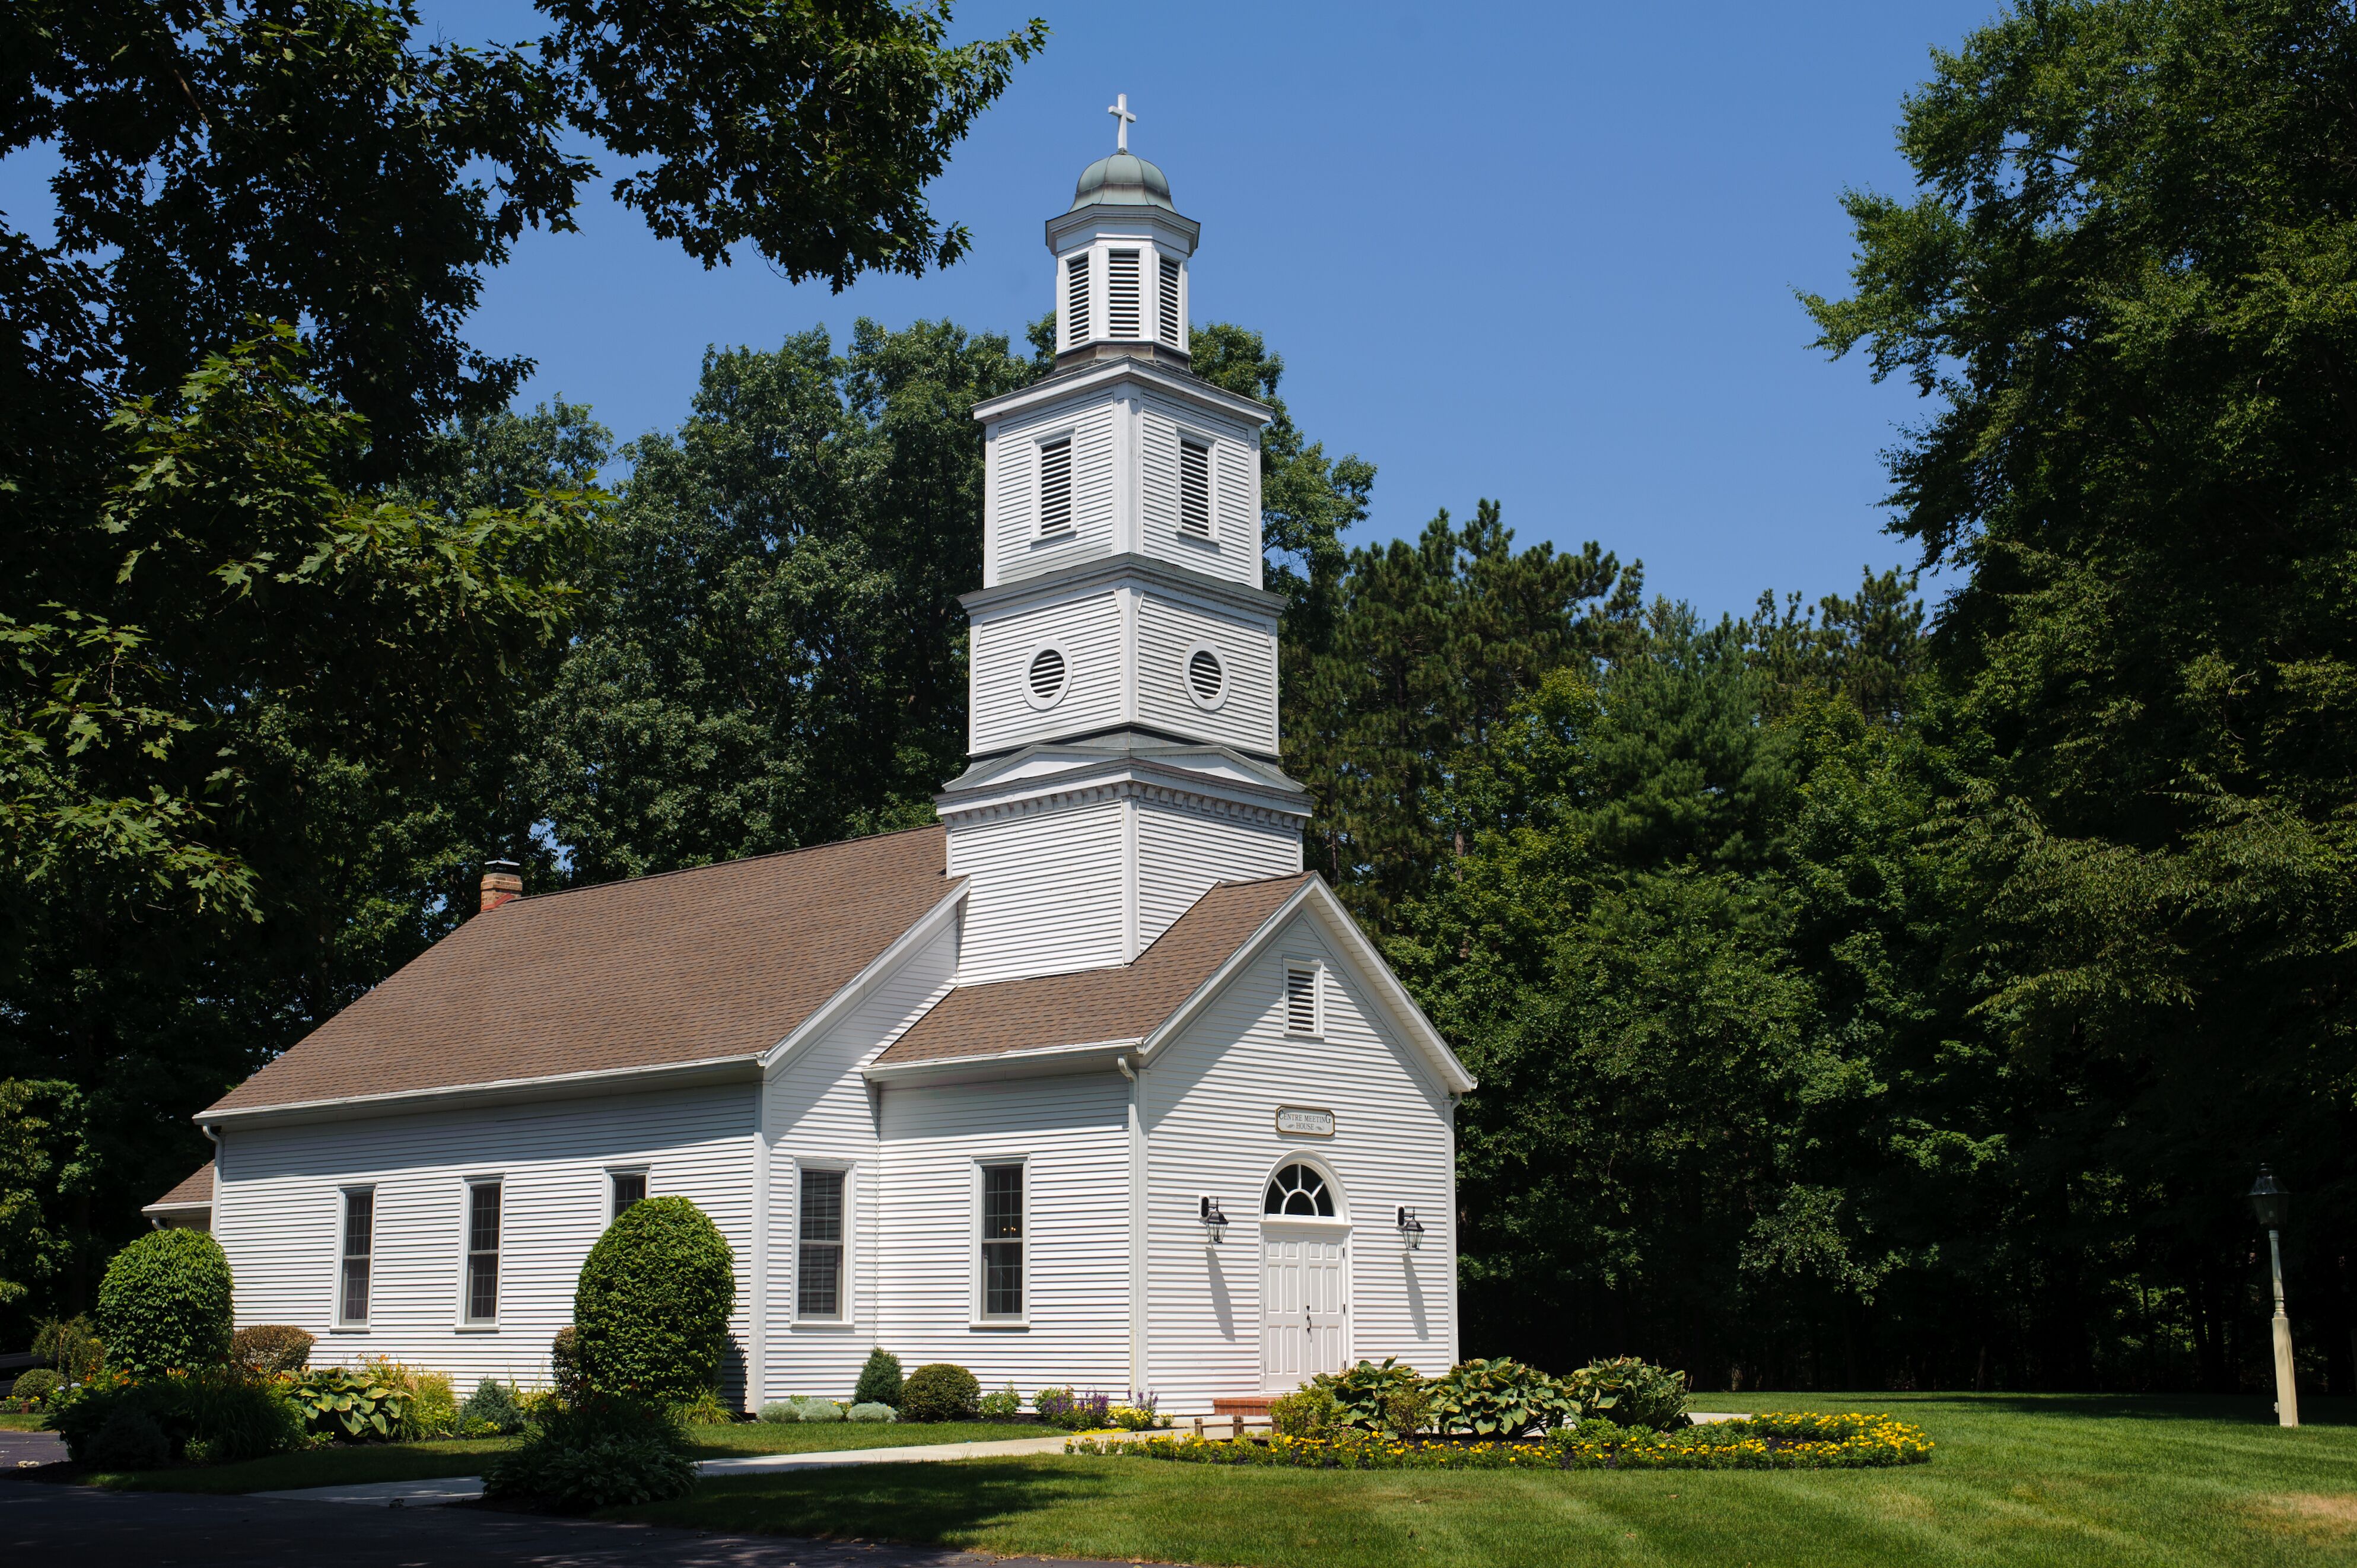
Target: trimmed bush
<point>564,1365</point>
<point>219,1415</point>
<point>35,1386</point>
<point>873,1409</point>
<point>165,1304</point>
<point>782,1412</point>
<point>268,1347</point>
<point>1004,1405</point>
<point>131,1440</point>
<point>650,1312</point>
<point>941,1391</point>
<point>1629,1391</point>
<point>491,1408</point>
<point>601,1452</point>
<point>879,1380</point>
<point>1310,1410</point>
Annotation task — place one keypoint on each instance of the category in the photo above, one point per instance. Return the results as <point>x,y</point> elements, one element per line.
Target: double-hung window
<point>629,1188</point>
<point>1002,1242</point>
<point>818,1274</point>
<point>360,1240</point>
<point>483,1252</point>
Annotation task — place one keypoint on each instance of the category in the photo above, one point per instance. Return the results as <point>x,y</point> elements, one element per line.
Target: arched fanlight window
<point>1299,1190</point>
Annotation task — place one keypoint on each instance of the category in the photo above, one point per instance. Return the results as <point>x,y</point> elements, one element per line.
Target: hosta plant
<point>353,1408</point>
<point>1499,1398</point>
<point>1629,1391</point>
<point>1387,1398</point>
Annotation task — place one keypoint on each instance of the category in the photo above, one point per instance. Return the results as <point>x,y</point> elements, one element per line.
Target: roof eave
<point>864,984</point>
<point>1094,1056</point>
<point>746,1065</point>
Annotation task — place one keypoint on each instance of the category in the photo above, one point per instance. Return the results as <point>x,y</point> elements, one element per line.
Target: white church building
<point>1089,1084</point>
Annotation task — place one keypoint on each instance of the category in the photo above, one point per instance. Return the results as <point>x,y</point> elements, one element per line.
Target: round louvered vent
<point>1047,672</point>
<point>1205,677</point>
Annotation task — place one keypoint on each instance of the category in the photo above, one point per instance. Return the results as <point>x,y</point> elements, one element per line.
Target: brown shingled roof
<point>722,960</point>
<point>195,1191</point>
<point>1092,1004</point>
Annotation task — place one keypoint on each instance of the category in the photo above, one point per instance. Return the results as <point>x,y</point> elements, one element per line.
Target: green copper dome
<point>1124,179</point>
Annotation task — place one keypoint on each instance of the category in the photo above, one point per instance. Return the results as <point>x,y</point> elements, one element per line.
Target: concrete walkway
<point>466,1489</point>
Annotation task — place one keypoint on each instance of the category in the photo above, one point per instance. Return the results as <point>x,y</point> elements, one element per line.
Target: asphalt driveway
<point>52,1524</point>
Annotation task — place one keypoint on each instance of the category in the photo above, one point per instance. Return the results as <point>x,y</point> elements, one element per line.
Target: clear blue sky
<point>1544,253</point>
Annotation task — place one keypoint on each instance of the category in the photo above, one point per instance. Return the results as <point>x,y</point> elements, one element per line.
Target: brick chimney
<point>502,882</point>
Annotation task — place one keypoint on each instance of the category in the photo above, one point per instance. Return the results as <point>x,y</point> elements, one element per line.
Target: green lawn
<point>2043,1481</point>
<point>15,1421</point>
<point>467,1457</point>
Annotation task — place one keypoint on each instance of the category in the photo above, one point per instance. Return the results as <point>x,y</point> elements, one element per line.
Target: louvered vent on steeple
<point>1121,294</point>
<point>1168,301</point>
<point>1195,488</point>
<point>1056,485</point>
<point>1076,299</point>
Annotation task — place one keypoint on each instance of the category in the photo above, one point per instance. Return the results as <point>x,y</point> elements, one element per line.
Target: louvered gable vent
<point>1301,999</point>
<point>1056,485</point>
<point>1167,299</point>
<point>1121,294</point>
<point>1195,488</point>
<point>1076,299</point>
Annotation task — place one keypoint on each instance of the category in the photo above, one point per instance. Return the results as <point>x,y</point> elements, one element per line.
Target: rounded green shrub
<point>492,1407</point>
<point>601,1453</point>
<point>268,1347</point>
<point>36,1385</point>
<point>131,1440</point>
<point>871,1411</point>
<point>651,1314</point>
<point>816,1408</point>
<point>940,1392</point>
<point>782,1412</point>
<point>165,1304</point>
<point>879,1380</point>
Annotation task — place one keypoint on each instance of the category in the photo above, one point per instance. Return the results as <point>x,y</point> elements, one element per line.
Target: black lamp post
<point>2271,1205</point>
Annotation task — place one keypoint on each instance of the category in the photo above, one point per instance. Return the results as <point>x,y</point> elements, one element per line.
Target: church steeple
<point>1122,665</point>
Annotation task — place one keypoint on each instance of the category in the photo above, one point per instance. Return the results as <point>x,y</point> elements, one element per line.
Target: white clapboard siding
<point>278,1207</point>
<point>817,1109</point>
<point>1072,1133</point>
<point>1209,1101</point>
<point>1234,551</point>
<point>1182,851</point>
<point>1044,891</point>
<point>1166,630</point>
<point>1011,523</point>
<point>1089,628</point>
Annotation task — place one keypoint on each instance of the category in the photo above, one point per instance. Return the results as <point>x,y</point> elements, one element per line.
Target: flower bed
<point>1765,1442</point>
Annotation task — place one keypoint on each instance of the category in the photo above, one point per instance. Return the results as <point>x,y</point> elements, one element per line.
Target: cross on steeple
<point>1119,110</point>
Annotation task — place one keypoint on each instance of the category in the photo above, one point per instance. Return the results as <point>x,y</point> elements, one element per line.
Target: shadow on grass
<point>2243,1410</point>
<point>929,1504</point>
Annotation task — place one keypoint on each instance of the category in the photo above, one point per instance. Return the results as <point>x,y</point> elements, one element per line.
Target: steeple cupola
<point>1121,254</point>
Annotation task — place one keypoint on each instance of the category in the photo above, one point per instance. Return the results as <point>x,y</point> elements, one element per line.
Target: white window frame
<point>846,1316</point>
<point>981,1319</point>
<point>614,1173</point>
<point>1030,656</point>
<point>1316,968</point>
<point>1210,444</point>
<point>1040,532</point>
<point>465,1322</point>
<point>1187,674</point>
<point>344,1195</point>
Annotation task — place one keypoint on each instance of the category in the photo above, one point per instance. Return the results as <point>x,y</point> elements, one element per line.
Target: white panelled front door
<point>1304,1303</point>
